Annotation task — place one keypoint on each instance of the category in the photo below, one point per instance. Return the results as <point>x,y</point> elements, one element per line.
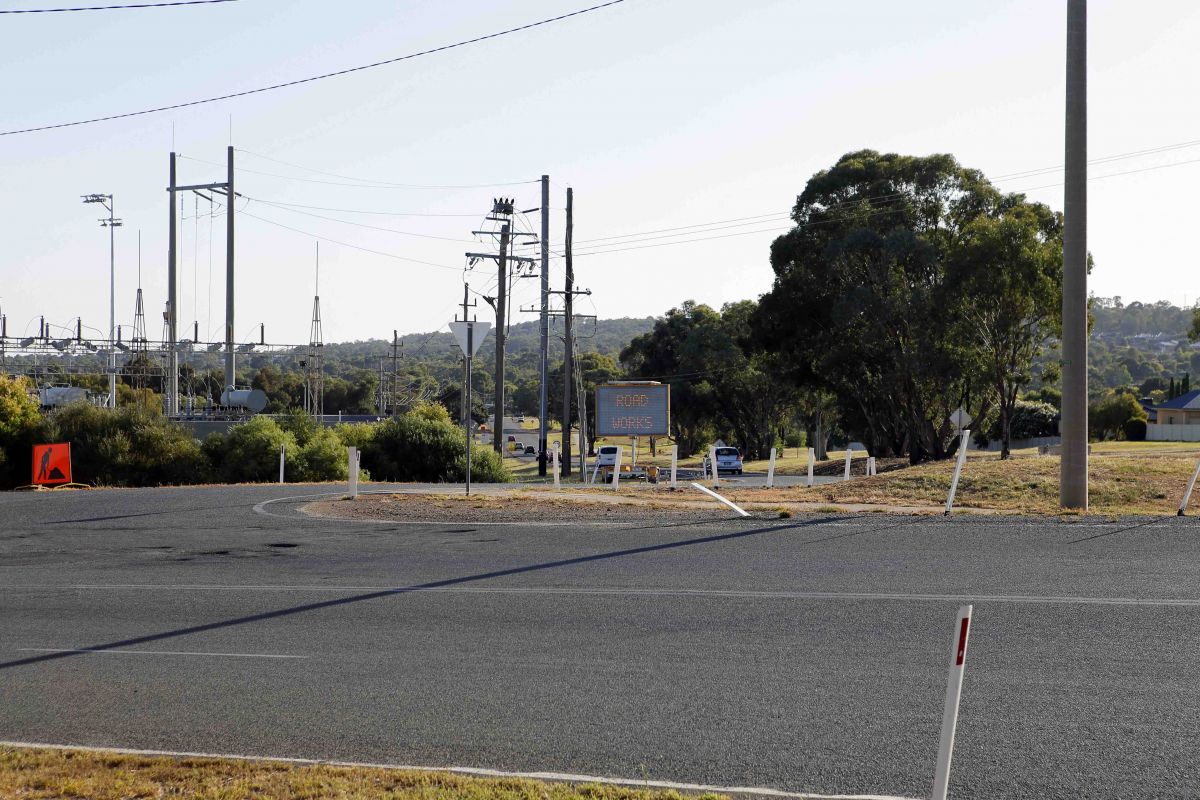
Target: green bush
<point>425,446</point>
<point>1135,429</point>
<point>250,451</point>
<point>21,427</point>
<point>322,457</point>
<point>356,434</point>
<point>128,446</point>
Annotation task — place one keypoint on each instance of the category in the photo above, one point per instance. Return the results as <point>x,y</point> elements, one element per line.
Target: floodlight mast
<point>110,222</point>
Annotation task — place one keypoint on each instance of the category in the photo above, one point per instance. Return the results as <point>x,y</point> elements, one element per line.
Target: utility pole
<point>543,409</point>
<point>172,302</point>
<point>501,338</point>
<point>110,222</point>
<point>465,394</point>
<point>223,187</point>
<point>230,375</point>
<point>502,212</point>
<point>569,348</point>
<point>1073,477</point>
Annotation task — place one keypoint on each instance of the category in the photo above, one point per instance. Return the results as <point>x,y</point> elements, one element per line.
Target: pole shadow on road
<point>500,573</point>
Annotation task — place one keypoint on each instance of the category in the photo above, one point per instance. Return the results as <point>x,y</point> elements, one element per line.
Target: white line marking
<point>476,771</point>
<point>261,508</point>
<point>121,652</point>
<point>1180,602</point>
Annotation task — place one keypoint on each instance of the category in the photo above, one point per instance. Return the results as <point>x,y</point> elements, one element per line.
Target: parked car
<point>729,459</point>
<point>529,451</point>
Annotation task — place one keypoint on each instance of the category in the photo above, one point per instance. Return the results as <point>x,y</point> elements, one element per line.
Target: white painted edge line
<point>261,508</point>
<point>729,503</point>
<point>475,771</point>
<point>1185,602</point>
<point>122,652</point>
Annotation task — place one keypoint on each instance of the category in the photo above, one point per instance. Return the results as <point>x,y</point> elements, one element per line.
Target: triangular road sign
<point>459,329</point>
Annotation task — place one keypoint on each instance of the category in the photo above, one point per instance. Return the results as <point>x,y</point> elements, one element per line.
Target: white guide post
<point>1188,494</point>
<point>616,481</point>
<point>674,465</point>
<point>849,455</point>
<point>812,460</point>
<point>771,471</point>
<point>870,465</point>
<point>741,511</point>
<point>962,457</point>
<point>282,456</point>
<point>958,659</point>
<point>554,463</point>
<point>716,473</point>
<point>352,467</point>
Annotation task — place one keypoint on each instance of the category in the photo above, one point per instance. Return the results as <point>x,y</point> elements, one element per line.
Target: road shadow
<point>1134,527</point>
<point>375,595</point>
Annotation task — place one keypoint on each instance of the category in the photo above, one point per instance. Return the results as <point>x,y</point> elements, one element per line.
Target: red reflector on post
<point>962,642</point>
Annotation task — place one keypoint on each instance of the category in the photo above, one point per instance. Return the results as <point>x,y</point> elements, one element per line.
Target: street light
<point>110,222</point>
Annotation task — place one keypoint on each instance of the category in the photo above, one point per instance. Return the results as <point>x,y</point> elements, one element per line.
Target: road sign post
<point>958,659</point>
<point>470,336</point>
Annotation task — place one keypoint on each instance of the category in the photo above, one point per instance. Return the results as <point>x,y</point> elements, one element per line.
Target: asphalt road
<point>806,655</point>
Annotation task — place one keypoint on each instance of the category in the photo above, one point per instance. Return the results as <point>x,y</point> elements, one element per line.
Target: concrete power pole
<point>568,330</point>
<point>543,408</point>
<point>501,299</point>
<point>172,304</point>
<point>230,379</point>
<point>1073,478</point>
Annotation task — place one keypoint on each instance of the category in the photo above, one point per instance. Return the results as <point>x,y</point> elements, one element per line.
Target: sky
<point>686,128</point>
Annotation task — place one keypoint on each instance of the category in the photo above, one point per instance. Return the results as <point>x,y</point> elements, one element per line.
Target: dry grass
<point>1119,484</point>
<point>34,774</point>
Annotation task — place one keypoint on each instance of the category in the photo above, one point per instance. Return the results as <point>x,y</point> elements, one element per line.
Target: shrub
<point>1135,429</point>
<point>250,451</point>
<point>21,426</point>
<point>322,457</point>
<point>425,446</point>
<point>128,446</point>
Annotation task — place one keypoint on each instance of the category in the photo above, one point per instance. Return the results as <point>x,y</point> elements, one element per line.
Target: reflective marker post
<point>282,456</point>
<point>958,658</point>
<point>1188,494</point>
<point>962,457</point>
<point>771,471</point>
<point>616,478</point>
<point>812,457</point>
<point>554,463</point>
<point>674,464</point>
<point>716,473</point>
<point>352,468</point>
<point>849,455</point>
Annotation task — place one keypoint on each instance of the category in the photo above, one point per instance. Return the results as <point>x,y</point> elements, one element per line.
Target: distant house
<point>1178,420</point>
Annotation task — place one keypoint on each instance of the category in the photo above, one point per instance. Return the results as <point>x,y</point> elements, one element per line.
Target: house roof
<point>1189,400</point>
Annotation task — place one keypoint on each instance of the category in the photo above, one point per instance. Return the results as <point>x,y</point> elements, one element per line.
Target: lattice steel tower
<point>314,373</point>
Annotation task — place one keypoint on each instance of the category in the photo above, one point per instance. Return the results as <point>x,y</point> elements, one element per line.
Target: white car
<point>728,460</point>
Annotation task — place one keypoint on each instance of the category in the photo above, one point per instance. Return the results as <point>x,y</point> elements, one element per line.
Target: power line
<point>313,78</point>
<point>347,244</point>
<point>373,213</point>
<point>361,224</point>
<point>115,8</point>
<point>358,185</point>
<point>371,182</point>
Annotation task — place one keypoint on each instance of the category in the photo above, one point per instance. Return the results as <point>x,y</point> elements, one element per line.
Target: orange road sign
<point>51,464</point>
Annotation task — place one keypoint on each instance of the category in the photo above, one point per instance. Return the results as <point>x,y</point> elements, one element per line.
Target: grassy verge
<point>1119,484</point>
<point>34,774</point>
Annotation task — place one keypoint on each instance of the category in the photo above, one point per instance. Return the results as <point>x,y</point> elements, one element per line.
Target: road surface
<point>805,655</point>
